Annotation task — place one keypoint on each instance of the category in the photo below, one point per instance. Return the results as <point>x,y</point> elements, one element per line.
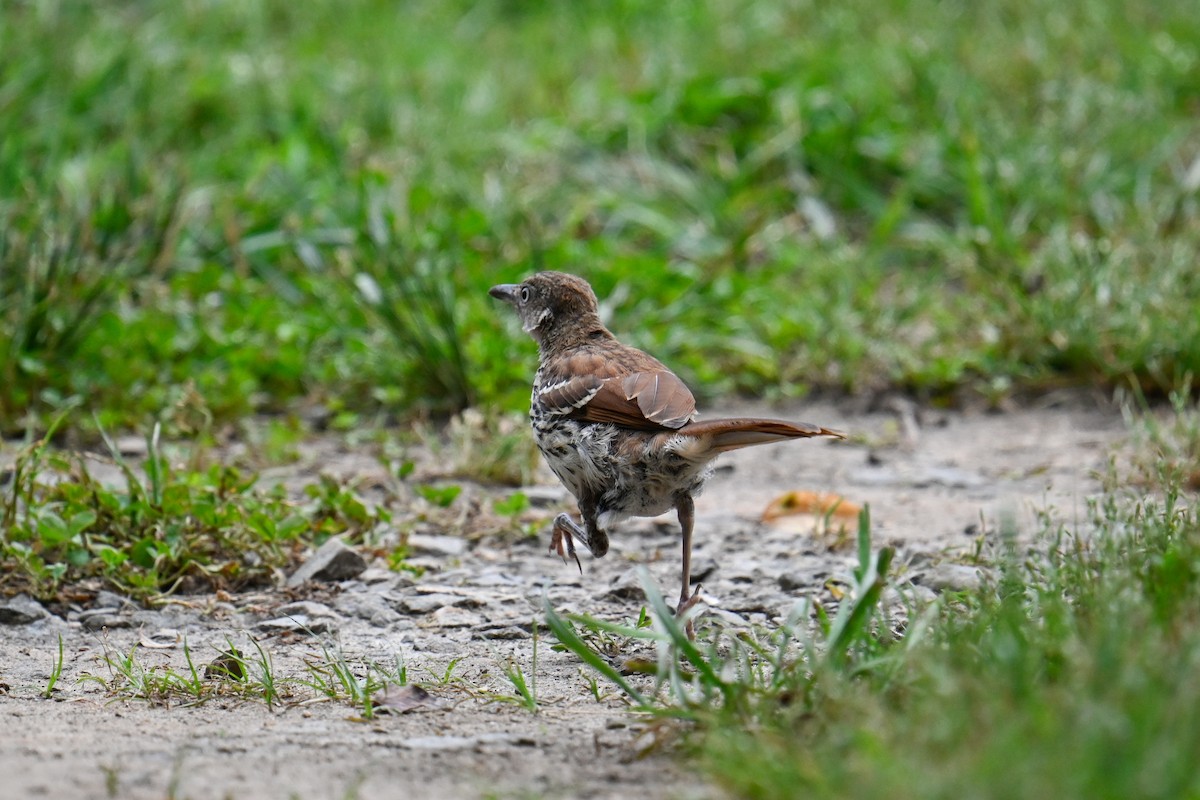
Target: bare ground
<point>935,483</point>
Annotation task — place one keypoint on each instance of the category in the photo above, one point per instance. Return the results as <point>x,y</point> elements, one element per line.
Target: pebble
<point>502,633</point>
<point>21,610</point>
<point>307,608</point>
<point>369,606</point>
<point>703,568</point>
<point>471,598</point>
<point>101,618</point>
<point>493,577</point>
<point>295,624</point>
<point>440,743</point>
<point>797,580</point>
<point>450,617</point>
<point>433,544</point>
<point>626,586</point>
<point>132,446</point>
<point>946,577</point>
<point>377,575</point>
<point>424,603</point>
<point>107,599</point>
<point>332,562</point>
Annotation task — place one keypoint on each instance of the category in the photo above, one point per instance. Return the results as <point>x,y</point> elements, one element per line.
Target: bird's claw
<point>562,540</point>
<point>557,540</point>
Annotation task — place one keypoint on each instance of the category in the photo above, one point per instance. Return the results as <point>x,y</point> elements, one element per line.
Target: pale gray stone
<point>946,577</point>
<point>298,623</point>
<point>433,544</point>
<point>332,562</point>
<point>21,610</point>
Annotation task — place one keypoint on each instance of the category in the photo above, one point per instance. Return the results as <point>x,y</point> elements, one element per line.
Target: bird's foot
<point>687,603</point>
<point>562,539</point>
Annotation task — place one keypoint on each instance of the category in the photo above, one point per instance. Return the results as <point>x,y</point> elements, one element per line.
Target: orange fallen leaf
<point>804,502</point>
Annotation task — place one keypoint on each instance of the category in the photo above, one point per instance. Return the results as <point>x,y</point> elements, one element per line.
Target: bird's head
<point>552,305</point>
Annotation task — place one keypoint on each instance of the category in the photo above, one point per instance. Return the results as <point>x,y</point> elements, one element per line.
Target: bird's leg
<point>597,538</point>
<point>563,536</point>
<point>686,510</point>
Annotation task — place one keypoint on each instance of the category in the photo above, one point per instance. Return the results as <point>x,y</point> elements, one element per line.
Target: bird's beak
<point>505,291</point>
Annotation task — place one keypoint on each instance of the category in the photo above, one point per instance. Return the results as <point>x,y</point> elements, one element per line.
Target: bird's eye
<point>524,294</point>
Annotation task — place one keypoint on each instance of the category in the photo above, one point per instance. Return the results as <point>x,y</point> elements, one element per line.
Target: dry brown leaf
<point>805,502</point>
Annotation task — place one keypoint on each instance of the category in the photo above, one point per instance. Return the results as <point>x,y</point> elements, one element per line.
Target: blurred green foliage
<point>257,202</point>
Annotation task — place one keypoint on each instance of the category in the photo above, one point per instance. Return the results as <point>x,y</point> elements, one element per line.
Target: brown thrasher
<point>615,425</point>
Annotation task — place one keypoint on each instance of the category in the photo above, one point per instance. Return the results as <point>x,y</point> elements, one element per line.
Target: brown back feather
<point>643,401</point>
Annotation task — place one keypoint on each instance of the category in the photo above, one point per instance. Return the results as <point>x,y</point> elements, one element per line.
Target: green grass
<point>1071,678</point>
<point>257,203</point>
<point>330,676</point>
<point>1071,674</point>
<point>176,524</point>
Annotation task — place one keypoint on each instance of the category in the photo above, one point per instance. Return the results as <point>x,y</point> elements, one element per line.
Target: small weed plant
<point>166,528</point>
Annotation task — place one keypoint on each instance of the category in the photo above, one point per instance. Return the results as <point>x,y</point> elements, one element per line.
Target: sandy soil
<point>936,481</point>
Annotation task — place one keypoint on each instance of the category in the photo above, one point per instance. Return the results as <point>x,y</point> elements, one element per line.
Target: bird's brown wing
<point>643,400</point>
<point>600,391</point>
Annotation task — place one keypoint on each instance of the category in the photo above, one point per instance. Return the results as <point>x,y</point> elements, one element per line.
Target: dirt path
<point>934,485</point>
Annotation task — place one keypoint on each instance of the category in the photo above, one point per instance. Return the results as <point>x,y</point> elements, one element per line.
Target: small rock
<point>434,544</point>
<point>21,610</point>
<point>499,737</point>
<point>298,623</point>
<point>916,558</point>
<point>107,599</point>
<point>369,606</point>
<point>920,595</point>
<point>132,446</point>
<point>626,586</point>
<point>102,618</point>
<point>469,598</point>
<point>793,581</point>
<point>333,561</point>
<point>493,577</point>
<point>376,575</point>
<point>450,617</point>
<point>947,577</point>
<point>425,603</point>
<point>306,608</point>
<point>402,699</point>
<point>702,568</point>
<point>439,743</point>
<point>742,569</point>
<point>730,618</point>
<point>164,617</point>
<point>503,632</point>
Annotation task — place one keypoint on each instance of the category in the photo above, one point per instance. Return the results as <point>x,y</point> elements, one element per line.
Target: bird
<point>617,427</point>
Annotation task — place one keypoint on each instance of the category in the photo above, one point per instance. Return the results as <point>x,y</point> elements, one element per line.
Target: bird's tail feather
<point>731,434</point>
